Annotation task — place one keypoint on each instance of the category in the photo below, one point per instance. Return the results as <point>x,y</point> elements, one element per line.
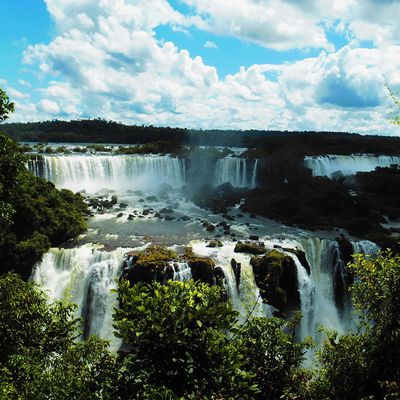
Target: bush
<point>177,336</point>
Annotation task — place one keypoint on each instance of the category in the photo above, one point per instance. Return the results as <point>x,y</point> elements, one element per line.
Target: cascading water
<point>118,172</point>
<point>240,172</point>
<point>329,165</point>
<point>84,276</point>
<point>182,271</point>
<point>245,297</point>
<point>365,247</point>
<point>327,267</point>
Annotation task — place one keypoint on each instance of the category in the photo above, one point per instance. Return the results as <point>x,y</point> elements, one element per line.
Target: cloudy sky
<point>243,64</point>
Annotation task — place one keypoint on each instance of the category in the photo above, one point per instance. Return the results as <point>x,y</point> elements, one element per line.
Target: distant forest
<point>264,142</point>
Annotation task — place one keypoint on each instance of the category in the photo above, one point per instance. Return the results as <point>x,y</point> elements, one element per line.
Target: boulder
<point>276,275</point>
<point>214,243</point>
<point>202,267</point>
<point>236,267</point>
<point>166,210</point>
<point>250,247</point>
<point>149,265</point>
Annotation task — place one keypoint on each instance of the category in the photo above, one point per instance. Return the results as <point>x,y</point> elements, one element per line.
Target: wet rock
<point>146,211</point>
<point>250,247</point>
<point>169,218</point>
<point>208,225</point>
<point>131,217</point>
<point>254,237</point>
<point>228,217</point>
<point>152,199</point>
<point>114,199</point>
<point>151,264</point>
<point>185,218</point>
<point>224,225</point>
<point>236,267</point>
<point>120,215</point>
<point>123,205</point>
<point>276,276</point>
<point>215,243</point>
<point>141,200</point>
<point>166,210</point>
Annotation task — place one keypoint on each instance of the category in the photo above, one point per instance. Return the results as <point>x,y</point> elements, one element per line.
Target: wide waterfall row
<point>330,165</point>
<point>93,172</point>
<point>117,172</point>
<point>240,172</point>
<point>86,275</point>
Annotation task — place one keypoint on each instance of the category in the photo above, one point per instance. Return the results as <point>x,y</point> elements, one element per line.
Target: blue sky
<point>242,64</point>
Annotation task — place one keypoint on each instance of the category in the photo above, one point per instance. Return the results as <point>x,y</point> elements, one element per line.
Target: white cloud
<point>114,67</point>
<point>274,24</point>
<point>210,45</point>
<point>49,107</point>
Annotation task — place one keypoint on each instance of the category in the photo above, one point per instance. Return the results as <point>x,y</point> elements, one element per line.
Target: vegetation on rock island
<point>34,215</point>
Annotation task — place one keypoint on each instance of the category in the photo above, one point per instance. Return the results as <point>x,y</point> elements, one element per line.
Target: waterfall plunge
<point>117,172</point>
<point>84,276</point>
<point>347,165</point>
<point>237,171</point>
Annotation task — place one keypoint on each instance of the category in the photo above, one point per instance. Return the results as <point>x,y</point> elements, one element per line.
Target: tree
<point>6,107</point>
<point>177,336</point>
<point>34,215</point>
<point>365,364</point>
<point>273,356</point>
<point>39,358</point>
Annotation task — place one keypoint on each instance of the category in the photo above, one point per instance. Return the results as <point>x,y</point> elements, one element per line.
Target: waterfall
<point>182,271</point>
<point>84,276</point>
<point>245,297</point>
<point>323,293</point>
<point>119,172</point>
<point>307,299</point>
<point>236,171</point>
<point>326,278</point>
<point>365,247</point>
<point>329,165</point>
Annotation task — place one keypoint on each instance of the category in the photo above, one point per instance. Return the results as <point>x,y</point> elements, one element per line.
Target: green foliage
<point>177,335</point>
<point>38,356</point>
<point>33,214</point>
<point>366,364</point>
<point>43,216</point>
<point>6,107</point>
<point>272,356</point>
<point>28,321</point>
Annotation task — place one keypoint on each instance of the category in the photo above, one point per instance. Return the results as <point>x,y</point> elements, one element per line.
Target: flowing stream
<point>87,273</point>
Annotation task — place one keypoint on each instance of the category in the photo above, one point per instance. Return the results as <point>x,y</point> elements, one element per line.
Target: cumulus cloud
<point>274,24</point>
<point>49,107</point>
<point>106,61</point>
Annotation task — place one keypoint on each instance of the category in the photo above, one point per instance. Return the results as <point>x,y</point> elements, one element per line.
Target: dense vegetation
<point>183,341</point>
<point>271,143</point>
<point>34,215</point>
